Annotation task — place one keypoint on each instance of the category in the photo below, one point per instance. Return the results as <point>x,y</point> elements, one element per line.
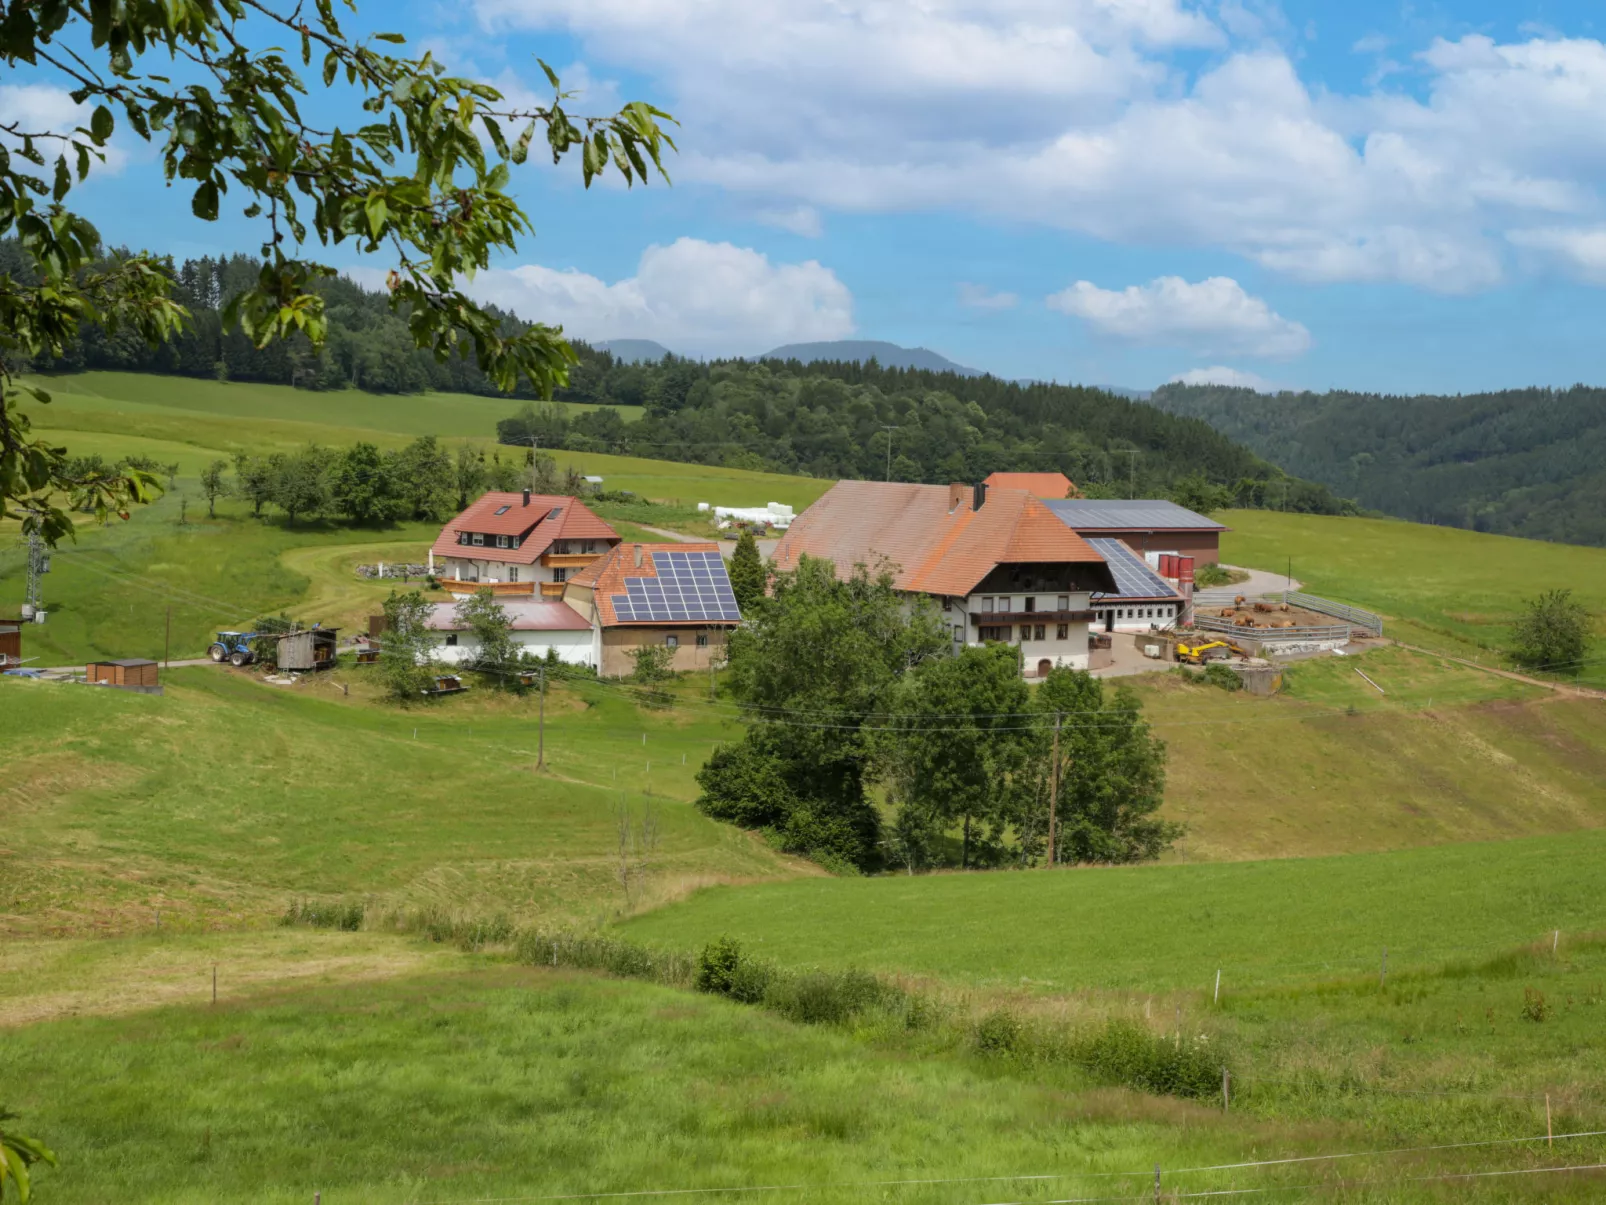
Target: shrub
<point>999,1033</point>
<point>345,916</point>
<point>827,997</point>
<point>1126,1053</point>
<point>1535,1008</point>
<point>1223,676</point>
<point>717,966</point>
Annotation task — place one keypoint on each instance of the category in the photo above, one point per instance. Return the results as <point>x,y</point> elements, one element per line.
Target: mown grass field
<point>224,800</point>
<point>1442,587</point>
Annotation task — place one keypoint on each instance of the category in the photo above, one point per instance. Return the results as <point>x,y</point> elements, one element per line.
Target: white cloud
<point>37,108</point>
<point>1581,251</point>
<point>1221,375</point>
<point>1214,315</point>
<point>1073,114</point>
<point>803,220</point>
<point>980,297</point>
<point>697,297</point>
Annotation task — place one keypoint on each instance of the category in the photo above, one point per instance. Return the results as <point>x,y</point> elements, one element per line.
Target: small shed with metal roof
<point>1144,525</point>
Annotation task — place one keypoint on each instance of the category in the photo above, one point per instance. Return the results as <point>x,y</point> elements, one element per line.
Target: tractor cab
<point>234,647</point>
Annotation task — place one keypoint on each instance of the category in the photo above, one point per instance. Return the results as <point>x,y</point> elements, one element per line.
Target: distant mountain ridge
<point>634,351</point>
<point>1522,462</point>
<point>862,351</point>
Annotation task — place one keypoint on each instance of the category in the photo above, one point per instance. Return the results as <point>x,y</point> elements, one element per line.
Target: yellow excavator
<point>1198,652</point>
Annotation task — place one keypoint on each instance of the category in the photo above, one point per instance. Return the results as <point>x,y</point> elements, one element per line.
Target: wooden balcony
<point>497,588</point>
<point>552,589</point>
<point>568,560</point>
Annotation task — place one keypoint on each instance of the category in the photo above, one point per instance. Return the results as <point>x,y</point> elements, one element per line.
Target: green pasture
<point>1159,928</point>
<point>222,801</point>
<point>1445,753</point>
<point>1441,587</point>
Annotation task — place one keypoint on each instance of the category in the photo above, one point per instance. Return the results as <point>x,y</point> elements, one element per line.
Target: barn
<point>1144,525</point>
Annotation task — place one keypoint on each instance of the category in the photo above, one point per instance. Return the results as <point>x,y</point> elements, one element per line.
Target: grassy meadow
<point>1441,587</point>
<point>1458,819</point>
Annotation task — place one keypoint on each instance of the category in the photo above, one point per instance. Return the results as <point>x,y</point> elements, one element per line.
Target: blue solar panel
<point>690,587</point>
<point>1133,577</point>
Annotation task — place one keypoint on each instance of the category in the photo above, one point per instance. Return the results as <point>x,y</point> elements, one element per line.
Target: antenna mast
<point>38,566</point>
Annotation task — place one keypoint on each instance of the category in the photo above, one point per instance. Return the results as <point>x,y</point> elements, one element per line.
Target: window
<point>515,541</point>
<point>1003,604</point>
<point>947,603</point>
<point>462,537</point>
<point>959,632</point>
<point>501,541</point>
<point>477,539</point>
<point>1062,631</point>
<point>451,639</point>
<point>1148,613</point>
<point>560,575</point>
<point>1031,604</point>
<point>672,641</point>
<point>561,548</point>
<point>1037,633</point>
<point>994,634</point>
<point>502,510</point>
<point>589,546</point>
<point>1065,602</point>
<point>986,605</point>
<point>702,640</point>
<point>512,573</point>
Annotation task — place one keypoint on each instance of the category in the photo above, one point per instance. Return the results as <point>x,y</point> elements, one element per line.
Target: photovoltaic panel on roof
<point>691,587</point>
<point>1133,577</point>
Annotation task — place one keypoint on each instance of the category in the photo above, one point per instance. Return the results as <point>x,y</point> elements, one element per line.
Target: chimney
<point>526,497</point>
<point>956,495</point>
<point>978,497</point>
<point>638,555</point>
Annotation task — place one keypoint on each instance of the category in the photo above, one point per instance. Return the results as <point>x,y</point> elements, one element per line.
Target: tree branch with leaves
<point>421,177</point>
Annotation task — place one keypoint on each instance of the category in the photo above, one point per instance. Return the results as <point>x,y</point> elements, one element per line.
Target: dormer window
<point>462,537</point>
<point>501,541</point>
<point>515,541</point>
<point>477,539</point>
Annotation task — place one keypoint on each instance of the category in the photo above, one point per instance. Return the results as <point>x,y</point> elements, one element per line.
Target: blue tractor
<point>234,647</point>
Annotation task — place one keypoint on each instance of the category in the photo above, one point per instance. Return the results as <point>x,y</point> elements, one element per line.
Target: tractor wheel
<point>239,658</point>
<point>218,653</point>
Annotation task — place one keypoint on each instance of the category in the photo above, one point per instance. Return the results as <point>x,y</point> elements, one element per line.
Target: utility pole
<point>1054,792</point>
<point>540,740</point>
<point>889,430</point>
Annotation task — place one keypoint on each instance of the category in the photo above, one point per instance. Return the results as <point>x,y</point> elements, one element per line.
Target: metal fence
<point>1325,606</point>
<point>1337,631</point>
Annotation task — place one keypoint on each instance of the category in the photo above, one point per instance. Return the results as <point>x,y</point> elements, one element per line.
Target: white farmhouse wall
<point>574,647</point>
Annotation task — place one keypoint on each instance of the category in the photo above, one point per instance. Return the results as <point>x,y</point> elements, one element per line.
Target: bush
<point>999,1033</point>
<point>827,997</point>
<point>1128,1054</point>
<point>717,966</point>
<point>347,917</point>
<point>1217,674</point>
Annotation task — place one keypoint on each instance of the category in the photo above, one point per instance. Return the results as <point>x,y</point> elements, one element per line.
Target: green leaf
<point>377,212</point>
<point>390,37</point>
<point>551,75</point>
<point>63,179</point>
<point>204,203</point>
<point>101,124</point>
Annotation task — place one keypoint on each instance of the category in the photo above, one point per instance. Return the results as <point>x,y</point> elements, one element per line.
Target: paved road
<point>1259,585</point>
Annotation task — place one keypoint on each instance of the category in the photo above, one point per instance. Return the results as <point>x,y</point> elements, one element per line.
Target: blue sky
<point>1379,196</point>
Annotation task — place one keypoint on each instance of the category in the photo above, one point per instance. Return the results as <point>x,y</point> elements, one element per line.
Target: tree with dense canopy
<point>747,573</point>
<point>1552,633</point>
<point>421,176</point>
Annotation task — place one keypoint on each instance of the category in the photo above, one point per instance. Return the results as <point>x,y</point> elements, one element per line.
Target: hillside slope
<point>1528,462</point>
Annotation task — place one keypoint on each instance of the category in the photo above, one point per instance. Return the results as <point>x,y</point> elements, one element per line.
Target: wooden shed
<point>10,642</point>
<point>313,648</point>
<point>131,671</point>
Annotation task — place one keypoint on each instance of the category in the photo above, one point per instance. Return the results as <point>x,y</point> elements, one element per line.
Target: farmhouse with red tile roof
<point>998,562</point>
<point>519,543</point>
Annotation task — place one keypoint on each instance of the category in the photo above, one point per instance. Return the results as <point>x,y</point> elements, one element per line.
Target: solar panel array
<point>1133,577</point>
<point>690,587</point>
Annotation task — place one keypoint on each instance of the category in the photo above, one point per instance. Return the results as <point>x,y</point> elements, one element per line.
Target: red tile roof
<point>527,616</point>
<point>606,577</point>
<point>930,548</point>
<point>1039,485</point>
<point>534,525</point>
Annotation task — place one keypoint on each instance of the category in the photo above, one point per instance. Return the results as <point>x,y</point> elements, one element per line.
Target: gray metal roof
<point>1133,577</point>
<point>1115,514</point>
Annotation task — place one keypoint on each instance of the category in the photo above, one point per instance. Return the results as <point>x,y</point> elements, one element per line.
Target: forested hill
<point>822,419</point>
<point>1525,462</point>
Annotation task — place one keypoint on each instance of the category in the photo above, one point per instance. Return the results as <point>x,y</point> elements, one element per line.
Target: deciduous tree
<point>420,176</point>
<point>490,626</point>
<point>1552,633</point>
<point>214,485</point>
